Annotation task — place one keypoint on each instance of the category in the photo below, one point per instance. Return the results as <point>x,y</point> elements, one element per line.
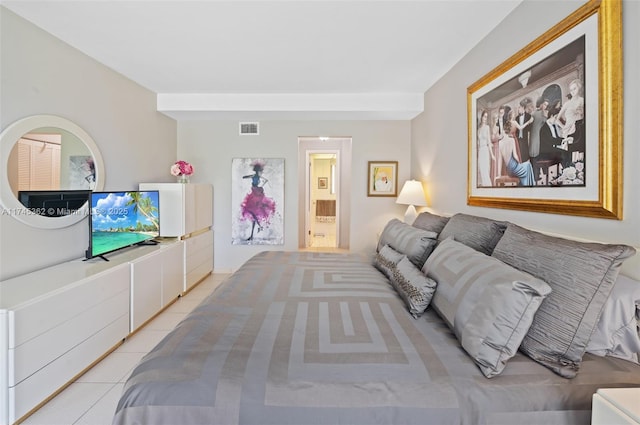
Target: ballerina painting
<point>258,192</point>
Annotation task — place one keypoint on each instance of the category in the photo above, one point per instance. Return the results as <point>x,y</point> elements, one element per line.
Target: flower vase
<point>183,179</point>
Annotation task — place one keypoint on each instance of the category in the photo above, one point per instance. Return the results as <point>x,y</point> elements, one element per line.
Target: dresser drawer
<point>198,258</point>
<point>40,315</point>
<point>37,387</point>
<point>198,250</point>
<point>31,356</point>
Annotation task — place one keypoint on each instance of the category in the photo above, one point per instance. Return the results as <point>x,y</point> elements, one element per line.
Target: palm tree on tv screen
<point>144,205</point>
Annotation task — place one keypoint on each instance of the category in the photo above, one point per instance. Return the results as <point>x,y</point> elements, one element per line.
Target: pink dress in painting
<point>256,206</point>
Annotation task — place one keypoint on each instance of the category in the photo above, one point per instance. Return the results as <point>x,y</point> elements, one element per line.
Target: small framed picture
<point>323,182</point>
<point>383,178</point>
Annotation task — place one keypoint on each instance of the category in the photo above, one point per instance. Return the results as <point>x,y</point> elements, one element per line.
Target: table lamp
<point>411,194</point>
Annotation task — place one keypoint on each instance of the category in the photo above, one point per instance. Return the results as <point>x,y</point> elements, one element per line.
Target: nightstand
<point>612,406</point>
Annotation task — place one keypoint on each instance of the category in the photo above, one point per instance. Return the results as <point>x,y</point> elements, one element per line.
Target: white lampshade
<point>412,194</point>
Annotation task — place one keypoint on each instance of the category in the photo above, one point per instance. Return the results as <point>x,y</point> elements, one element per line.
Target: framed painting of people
<point>544,133</point>
<point>257,199</point>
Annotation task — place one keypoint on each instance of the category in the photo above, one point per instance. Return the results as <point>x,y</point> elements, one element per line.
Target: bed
<point>326,338</point>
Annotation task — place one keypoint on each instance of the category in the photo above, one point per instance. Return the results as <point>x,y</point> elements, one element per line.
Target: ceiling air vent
<point>249,128</point>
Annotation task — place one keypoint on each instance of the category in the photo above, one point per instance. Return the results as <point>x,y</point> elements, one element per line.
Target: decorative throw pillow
<point>488,304</point>
<point>479,233</point>
<point>581,276</point>
<point>618,331</point>
<point>413,286</point>
<point>386,260</point>
<point>431,222</point>
<point>416,244</point>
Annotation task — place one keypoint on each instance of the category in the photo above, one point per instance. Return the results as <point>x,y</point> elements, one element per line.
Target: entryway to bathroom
<point>322,200</point>
<point>324,192</point>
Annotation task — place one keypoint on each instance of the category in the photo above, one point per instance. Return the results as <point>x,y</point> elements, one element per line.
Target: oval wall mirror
<point>47,153</point>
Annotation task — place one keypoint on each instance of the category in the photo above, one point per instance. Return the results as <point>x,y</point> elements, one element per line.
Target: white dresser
<point>616,406</point>
<point>186,212</point>
<point>57,322</point>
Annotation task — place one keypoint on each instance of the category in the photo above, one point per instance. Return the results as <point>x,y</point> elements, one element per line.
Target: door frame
<point>343,196</point>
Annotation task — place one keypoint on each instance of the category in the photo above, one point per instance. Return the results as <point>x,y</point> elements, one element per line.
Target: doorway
<point>324,192</point>
<point>322,219</point>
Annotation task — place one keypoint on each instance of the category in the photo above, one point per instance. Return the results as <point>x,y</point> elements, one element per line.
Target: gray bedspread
<point>320,338</point>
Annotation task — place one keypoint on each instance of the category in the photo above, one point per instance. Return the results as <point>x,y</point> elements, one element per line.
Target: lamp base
<point>410,215</point>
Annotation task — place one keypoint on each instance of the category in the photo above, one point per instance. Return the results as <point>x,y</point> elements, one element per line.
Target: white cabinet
<point>172,273</point>
<point>184,208</point>
<point>146,288</point>
<point>616,406</point>
<point>198,258</point>
<point>156,281</point>
<point>186,212</point>
<point>54,323</point>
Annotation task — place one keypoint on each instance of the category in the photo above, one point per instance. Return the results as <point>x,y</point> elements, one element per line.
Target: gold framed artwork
<point>323,182</point>
<point>545,132</point>
<point>383,178</point>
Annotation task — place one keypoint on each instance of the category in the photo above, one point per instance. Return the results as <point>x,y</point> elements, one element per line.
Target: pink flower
<point>181,168</point>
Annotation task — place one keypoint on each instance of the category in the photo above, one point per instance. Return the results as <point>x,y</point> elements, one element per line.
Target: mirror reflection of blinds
<point>38,165</point>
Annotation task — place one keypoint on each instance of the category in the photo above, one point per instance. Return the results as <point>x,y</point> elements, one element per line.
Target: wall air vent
<point>249,128</point>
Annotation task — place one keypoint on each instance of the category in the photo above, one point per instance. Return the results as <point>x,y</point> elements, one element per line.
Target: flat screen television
<point>122,219</point>
<point>53,203</point>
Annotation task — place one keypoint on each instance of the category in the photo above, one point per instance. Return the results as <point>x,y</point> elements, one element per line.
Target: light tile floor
<point>324,235</point>
<point>92,398</point>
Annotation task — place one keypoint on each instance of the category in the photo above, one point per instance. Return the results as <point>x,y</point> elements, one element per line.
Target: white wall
<point>211,145</point>
<point>39,74</point>
<point>439,134</point>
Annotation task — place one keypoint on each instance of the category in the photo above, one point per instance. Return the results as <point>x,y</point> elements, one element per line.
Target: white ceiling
<point>275,59</point>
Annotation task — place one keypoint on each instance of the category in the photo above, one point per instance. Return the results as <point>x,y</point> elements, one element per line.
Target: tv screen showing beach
<point>121,219</point>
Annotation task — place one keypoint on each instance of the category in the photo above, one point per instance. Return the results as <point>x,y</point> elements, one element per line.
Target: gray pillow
<point>415,289</point>
<point>581,276</point>
<point>488,304</point>
<point>618,331</point>
<point>416,244</point>
<point>479,233</point>
<point>386,260</point>
<point>431,222</point>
